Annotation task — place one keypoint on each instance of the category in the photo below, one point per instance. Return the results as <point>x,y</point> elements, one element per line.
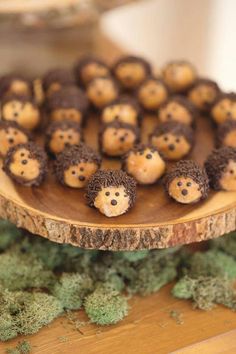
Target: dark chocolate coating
<point>62,76</point>
<point>81,63</point>
<point>36,152</point>
<point>207,82</point>
<point>188,168</point>
<point>6,80</point>
<point>216,163</point>
<point>73,155</point>
<point>230,95</point>
<point>110,178</point>
<point>4,125</point>
<point>224,129</point>
<point>175,128</point>
<point>20,98</point>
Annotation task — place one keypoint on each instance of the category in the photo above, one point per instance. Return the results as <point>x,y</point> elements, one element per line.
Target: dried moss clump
<point>226,243</point>
<point>23,347</point>
<point>106,306</point>
<point>9,233</point>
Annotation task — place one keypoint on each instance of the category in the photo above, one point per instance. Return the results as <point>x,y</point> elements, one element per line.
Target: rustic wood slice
<point>60,214</point>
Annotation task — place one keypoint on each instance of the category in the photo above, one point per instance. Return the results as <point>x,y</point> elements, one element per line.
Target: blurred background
<point>39,34</point>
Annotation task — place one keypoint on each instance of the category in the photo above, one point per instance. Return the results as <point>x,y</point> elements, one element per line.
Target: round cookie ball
<point>152,93</point>
<point>101,91</point>
<point>203,93</point>
<point>22,110</point>
<point>76,164</point>
<point>88,68</point>
<point>15,84</point>
<point>179,75</point>
<point>226,134</point>
<point>26,164</point>
<point>186,182</point>
<point>224,108</point>
<point>118,138</point>
<point>69,103</point>
<point>178,109</point>
<point>124,109</point>
<point>61,135</point>
<point>221,169</point>
<point>56,79</point>
<point>131,71</point>
<point>11,134</point>
<point>173,140</point>
<point>112,192</point>
<point>144,163</point>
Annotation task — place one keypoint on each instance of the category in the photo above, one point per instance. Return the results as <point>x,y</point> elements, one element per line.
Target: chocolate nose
<point>11,141</point>
<point>171,147</point>
<point>184,192</point>
<point>122,139</point>
<point>16,114</point>
<point>169,115</point>
<point>113,202</point>
<point>67,144</point>
<point>81,178</point>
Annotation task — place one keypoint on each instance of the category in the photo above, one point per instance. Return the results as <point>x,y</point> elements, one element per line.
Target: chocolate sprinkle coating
<point>64,126</point>
<point>188,168</point>
<point>175,128</point>
<point>222,95</point>
<point>207,82</point>
<point>81,63</point>
<point>36,152</point>
<point>68,97</point>
<point>6,80</point>
<point>223,130</point>
<point>216,163</point>
<point>64,77</point>
<point>110,178</point>
<point>73,155</point>
<point>21,98</point>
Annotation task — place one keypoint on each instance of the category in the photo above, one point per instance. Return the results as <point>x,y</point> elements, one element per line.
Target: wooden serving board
<point>61,214</point>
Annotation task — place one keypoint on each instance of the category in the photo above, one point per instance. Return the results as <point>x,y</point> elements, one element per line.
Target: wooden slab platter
<point>61,214</point>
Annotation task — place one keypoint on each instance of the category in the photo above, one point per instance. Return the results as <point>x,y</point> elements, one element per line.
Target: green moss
<point>8,234</point>
<point>105,306</point>
<point>132,256</point>
<point>226,243</point>
<point>71,289</point>
<point>23,347</point>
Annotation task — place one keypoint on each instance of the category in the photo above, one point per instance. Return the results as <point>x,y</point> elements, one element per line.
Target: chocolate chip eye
<point>166,138</point>
<point>81,169</point>
<point>24,162</point>
<point>61,136</point>
<point>179,184</point>
<point>148,156</point>
<point>177,140</point>
<point>107,194</point>
<point>125,195</point>
<point>117,194</point>
<point>141,153</point>
<point>69,136</point>
<point>115,133</point>
<point>189,184</point>
<point>22,154</point>
<point>15,132</point>
<point>231,171</point>
<point>73,172</point>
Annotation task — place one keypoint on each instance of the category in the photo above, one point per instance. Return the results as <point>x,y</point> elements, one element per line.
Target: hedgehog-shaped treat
<point>173,140</point>
<point>22,110</point>
<point>124,109</point>
<point>131,71</point>
<point>61,135</point>
<point>56,79</point>
<point>69,103</point>
<point>15,84</point>
<point>76,164</point>
<point>203,93</point>
<point>152,93</point>
<point>144,163</point>
<point>88,68</point>
<point>224,108</point>
<point>11,134</point>
<point>226,134</point>
<point>186,182</point>
<point>179,75</point>
<point>178,109</point>
<point>112,192</point>
<point>101,91</point>
<point>26,164</point>
<point>118,138</point>
<point>221,169</point>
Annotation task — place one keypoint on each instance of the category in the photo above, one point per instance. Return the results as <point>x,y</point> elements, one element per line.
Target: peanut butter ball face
<point>112,201</point>
<point>60,139</point>
<point>124,112</point>
<point>173,147</point>
<point>130,74</point>
<point>202,96</point>
<point>228,177</point>
<point>92,70</point>
<point>152,94</point>
<point>174,111</point>
<point>23,113</point>
<point>101,91</point>
<point>76,176</point>
<point>179,76</point>
<point>71,114</point>
<point>184,190</point>
<point>117,141</point>
<point>145,166</point>
<point>223,110</point>
<point>24,166</point>
<point>19,87</point>
<point>10,137</point>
